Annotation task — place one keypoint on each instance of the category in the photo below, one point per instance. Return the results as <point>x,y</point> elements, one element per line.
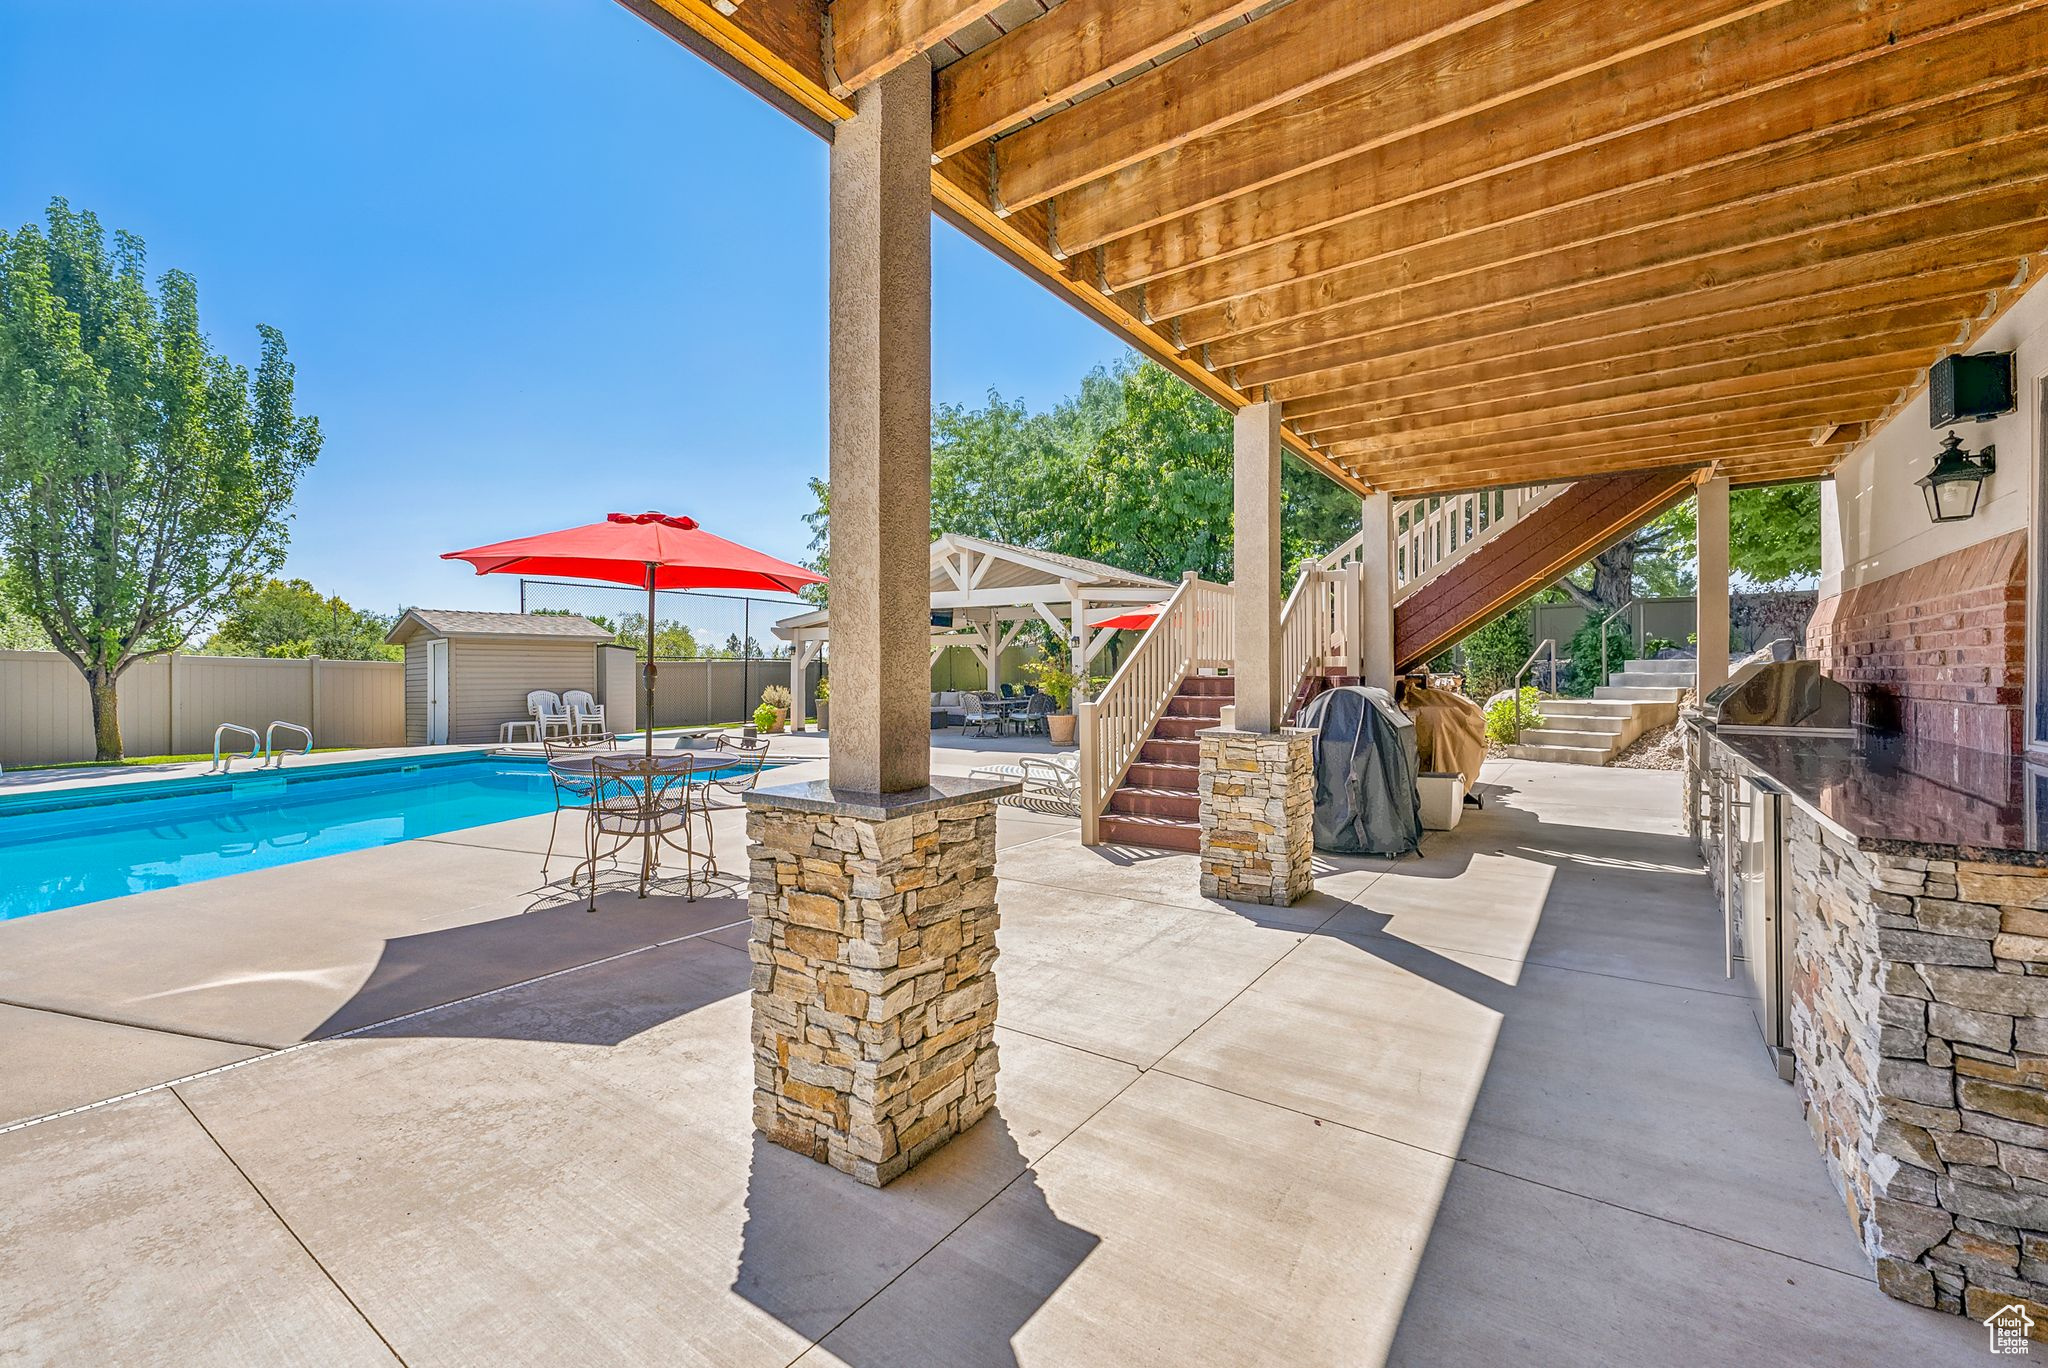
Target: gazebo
<point>984,593</point>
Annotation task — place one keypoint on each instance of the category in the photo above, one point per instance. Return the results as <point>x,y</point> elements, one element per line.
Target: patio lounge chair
<point>1056,776</point>
<point>586,714</point>
<point>545,707</point>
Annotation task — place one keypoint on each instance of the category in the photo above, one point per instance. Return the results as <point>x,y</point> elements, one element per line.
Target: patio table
<point>641,772</point>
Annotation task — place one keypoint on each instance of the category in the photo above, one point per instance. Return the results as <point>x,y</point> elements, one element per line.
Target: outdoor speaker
<point>1969,388</point>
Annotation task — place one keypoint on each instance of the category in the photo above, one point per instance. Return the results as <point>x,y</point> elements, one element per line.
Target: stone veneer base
<point>1919,1031</point>
<point>874,990</point>
<point>1258,815</point>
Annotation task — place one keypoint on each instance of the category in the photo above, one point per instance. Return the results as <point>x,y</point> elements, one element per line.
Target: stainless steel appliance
<point>1779,696</point>
<point>1758,930</point>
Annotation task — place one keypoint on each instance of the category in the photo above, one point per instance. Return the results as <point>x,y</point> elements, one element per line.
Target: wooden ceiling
<point>1479,242</point>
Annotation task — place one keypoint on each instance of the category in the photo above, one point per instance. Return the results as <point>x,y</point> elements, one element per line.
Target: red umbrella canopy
<point>622,547</point>
<point>1136,620</point>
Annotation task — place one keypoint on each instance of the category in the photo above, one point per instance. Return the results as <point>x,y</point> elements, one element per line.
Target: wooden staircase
<point>1159,803</point>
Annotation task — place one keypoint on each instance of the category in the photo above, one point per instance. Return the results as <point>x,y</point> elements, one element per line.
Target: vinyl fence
<point>171,705</point>
<point>695,693</point>
<point>1754,618</point>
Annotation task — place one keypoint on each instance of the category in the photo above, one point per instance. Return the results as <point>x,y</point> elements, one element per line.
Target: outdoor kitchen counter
<point>1933,802</point>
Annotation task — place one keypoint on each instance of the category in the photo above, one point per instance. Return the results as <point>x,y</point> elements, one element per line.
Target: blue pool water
<point>80,846</point>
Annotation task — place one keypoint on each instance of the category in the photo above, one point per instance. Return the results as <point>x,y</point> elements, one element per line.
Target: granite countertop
<point>1937,802</point>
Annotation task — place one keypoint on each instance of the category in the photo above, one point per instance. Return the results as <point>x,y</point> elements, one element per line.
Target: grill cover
<point>1365,773</point>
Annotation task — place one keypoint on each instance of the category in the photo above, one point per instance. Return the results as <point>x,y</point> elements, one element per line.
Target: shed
<point>468,673</point>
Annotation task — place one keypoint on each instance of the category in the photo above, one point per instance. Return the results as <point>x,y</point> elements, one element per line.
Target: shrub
<point>1495,652</point>
<point>776,696</point>
<point>1500,715</point>
<point>1053,679</point>
<point>1585,653</point>
<point>764,718</point>
<point>824,690</point>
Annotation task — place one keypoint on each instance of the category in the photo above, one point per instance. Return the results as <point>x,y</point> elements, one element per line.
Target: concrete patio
<point>1495,1105</point>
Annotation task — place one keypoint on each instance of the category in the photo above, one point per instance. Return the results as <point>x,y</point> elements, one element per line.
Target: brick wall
<point>1937,652</point>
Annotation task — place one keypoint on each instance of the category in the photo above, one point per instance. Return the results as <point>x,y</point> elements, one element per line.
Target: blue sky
<point>534,261</point>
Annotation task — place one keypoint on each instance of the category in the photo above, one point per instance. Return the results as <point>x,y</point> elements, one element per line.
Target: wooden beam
<point>1510,58</point>
<point>1758,332</point>
<point>1057,56</point>
<point>1744,242</point>
<point>1852,361</point>
<point>1510,215</point>
<point>1567,463</point>
<point>1530,295</point>
<point>1896,48</point>
<point>1282,56</point>
<point>871,38</point>
<point>1405,353</point>
<point>1652,434</point>
<point>1825,405</point>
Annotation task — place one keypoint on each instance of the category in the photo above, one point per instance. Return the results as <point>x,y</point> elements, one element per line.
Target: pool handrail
<point>256,747</point>
<point>272,755</point>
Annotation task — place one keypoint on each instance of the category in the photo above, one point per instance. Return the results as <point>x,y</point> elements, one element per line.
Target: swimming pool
<point>86,844</point>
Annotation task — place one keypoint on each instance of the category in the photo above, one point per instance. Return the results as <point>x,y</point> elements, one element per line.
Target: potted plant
<point>765,720</point>
<point>1055,681</point>
<point>824,698</point>
<point>776,698</point>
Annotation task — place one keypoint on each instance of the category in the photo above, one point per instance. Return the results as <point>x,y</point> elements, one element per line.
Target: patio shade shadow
<point>436,968</point>
<point>812,1235</point>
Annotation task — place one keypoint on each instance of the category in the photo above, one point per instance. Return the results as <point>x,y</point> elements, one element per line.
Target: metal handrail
<point>256,746</point>
<point>1549,644</point>
<point>1629,603</point>
<point>272,755</point>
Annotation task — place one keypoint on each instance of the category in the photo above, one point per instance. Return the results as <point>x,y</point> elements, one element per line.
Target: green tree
<point>144,477</point>
<point>1134,470</point>
<point>1773,532</point>
<point>290,618</point>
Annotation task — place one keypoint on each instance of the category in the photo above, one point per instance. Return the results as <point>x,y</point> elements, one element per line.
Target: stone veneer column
<point>874,988</point>
<point>1258,815</point>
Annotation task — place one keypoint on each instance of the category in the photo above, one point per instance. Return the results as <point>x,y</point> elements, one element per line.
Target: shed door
<point>437,693</point>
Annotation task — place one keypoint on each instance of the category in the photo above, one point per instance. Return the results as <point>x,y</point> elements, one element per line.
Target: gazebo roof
<point>979,578</point>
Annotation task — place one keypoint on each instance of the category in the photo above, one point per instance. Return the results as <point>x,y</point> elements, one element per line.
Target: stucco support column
<point>1712,620</point>
<point>1257,781</point>
<point>880,433</point>
<point>1255,600</point>
<point>1375,648</point>
<point>872,895</point>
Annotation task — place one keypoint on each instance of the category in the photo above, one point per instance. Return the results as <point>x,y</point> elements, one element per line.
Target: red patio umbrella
<point>1136,620</point>
<point>654,550</point>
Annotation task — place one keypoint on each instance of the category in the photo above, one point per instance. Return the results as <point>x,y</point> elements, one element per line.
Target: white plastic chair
<point>586,714</point>
<point>545,707</point>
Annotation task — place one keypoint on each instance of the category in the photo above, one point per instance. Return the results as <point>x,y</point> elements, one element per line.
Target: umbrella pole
<point>647,730</point>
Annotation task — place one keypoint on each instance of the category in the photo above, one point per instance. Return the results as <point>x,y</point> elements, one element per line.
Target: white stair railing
<point>1194,631</point>
<point>1433,533</point>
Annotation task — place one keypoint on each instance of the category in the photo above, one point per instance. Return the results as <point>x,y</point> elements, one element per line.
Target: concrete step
<point>1637,693</point>
<point>1210,706</point>
<point>1157,802</point>
<point>1209,686</point>
<point>1676,665</point>
<point>1651,679</point>
<point>1172,728</point>
<point>1586,707</point>
<point>1574,740</point>
<point>1563,755</point>
<point>1608,724</point>
<point>1157,833</point>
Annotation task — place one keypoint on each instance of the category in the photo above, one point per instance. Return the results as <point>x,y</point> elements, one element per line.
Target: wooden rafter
<point>1471,242</point>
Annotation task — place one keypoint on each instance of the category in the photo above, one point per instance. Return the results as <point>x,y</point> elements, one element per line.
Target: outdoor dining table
<point>641,772</point>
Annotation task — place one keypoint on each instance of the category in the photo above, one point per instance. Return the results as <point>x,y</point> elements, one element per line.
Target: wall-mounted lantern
<point>1957,479</point>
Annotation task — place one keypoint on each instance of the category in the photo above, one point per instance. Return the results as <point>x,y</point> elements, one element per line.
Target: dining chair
<point>645,799</point>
